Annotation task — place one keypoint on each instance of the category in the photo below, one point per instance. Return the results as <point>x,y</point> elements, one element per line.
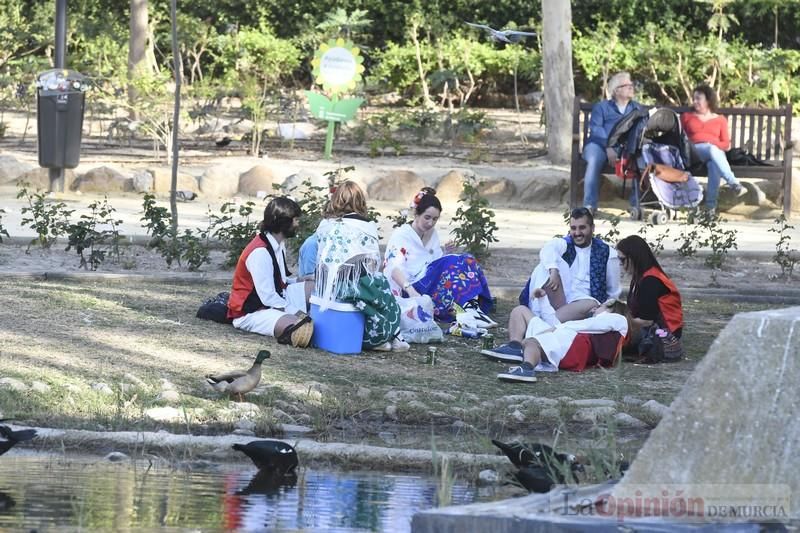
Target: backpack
<point>216,309</point>
<point>658,345</point>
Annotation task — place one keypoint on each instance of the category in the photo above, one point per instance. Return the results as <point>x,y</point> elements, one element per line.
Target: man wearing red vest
<point>265,299</point>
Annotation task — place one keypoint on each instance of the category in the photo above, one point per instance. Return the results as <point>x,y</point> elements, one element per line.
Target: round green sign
<point>338,66</point>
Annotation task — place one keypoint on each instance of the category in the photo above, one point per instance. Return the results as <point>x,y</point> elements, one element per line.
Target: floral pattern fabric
<point>454,279</point>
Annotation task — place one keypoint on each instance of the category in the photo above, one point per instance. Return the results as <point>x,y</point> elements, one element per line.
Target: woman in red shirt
<point>708,131</point>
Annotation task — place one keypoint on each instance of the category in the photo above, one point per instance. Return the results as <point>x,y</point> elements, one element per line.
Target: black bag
<point>658,345</point>
<point>215,309</point>
<point>743,158</point>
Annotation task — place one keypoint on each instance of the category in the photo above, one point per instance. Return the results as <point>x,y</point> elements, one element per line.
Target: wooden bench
<point>765,133</point>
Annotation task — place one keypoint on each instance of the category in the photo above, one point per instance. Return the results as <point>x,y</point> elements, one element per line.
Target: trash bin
<point>60,104</point>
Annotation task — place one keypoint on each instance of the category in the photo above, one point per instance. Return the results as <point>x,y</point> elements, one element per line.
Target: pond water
<point>46,491</point>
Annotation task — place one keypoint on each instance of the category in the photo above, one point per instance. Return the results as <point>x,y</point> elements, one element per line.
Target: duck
<point>539,466</point>
<point>272,457</point>
<point>13,437</point>
<point>239,382</point>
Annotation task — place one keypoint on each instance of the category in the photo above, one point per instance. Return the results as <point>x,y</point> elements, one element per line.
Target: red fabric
<point>242,280</point>
<point>714,131</point>
<point>583,351</point>
<point>670,303</point>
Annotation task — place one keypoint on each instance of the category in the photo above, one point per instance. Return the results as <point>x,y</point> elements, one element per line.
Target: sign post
<point>338,66</point>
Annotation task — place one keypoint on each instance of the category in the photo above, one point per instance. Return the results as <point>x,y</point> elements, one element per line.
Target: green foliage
<point>97,233</point>
<point>656,242</point>
<point>3,230</point>
<point>704,230</point>
<point>613,231</point>
<point>785,257</point>
<point>474,221</point>
<point>235,235</point>
<point>190,246</point>
<point>49,220</point>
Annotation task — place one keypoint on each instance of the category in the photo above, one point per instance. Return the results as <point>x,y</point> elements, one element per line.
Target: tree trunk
<point>139,61</point>
<point>559,88</point>
<point>176,113</point>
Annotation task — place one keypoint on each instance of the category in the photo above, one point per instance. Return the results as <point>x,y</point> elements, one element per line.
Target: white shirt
<point>259,264</point>
<point>405,250</point>
<point>580,270</point>
<point>556,343</point>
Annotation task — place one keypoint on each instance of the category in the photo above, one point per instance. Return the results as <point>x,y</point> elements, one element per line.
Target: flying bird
<point>503,36</point>
<point>239,382</point>
<point>13,437</point>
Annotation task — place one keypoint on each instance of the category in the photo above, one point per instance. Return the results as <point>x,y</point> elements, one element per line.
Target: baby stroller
<point>658,155</point>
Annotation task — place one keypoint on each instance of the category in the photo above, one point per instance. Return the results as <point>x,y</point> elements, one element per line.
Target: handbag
<point>667,173</point>
<point>216,309</point>
<point>659,345</point>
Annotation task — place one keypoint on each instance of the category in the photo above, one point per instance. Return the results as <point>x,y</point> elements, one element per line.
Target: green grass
<point>73,334</point>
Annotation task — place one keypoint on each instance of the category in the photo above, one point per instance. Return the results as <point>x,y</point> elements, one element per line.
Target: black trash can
<point>60,104</point>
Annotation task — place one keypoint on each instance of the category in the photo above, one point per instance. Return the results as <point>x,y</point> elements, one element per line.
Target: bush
<point>475,225</point>
<point>49,220</point>
<point>85,235</point>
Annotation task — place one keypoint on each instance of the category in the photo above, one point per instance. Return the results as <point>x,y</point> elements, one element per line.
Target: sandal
<point>298,334</point>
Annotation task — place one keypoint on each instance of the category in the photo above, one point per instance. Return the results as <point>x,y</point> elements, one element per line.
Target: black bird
<point>540,466</point>
<point>270,456</point>
<point>13,437</point>
<point>269,483</point>
<point>522,454</point>
<point>222,143</point>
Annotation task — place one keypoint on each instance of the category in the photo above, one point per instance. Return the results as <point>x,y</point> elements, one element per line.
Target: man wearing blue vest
<point>575,275</point>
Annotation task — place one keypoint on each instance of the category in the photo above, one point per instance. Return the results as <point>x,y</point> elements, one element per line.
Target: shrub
<point>3,230</point>
<point>475,225</point>
<point>234,235</point>
<point>84,235</point>
<point>49,220</point>
<point>785,257</point>
<point>190,246</point>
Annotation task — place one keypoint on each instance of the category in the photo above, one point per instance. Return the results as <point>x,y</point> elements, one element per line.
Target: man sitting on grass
<point>574,275</point>
<point>573,345</point>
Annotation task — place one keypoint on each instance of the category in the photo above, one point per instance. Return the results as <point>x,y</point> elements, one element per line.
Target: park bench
<point>765,133</point>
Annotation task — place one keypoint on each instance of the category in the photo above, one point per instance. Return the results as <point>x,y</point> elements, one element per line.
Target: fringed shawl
<point>348,249</point>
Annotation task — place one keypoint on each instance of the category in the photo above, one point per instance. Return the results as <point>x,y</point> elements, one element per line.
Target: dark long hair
<point>279,215</point>
<point>426,198</point>
<point>638,252</point>
<point>710,94</point>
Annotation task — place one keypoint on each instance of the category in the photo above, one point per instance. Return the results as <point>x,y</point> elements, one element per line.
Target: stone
<point>219,182</point>
<point>628,421</point>
<point>398,185</point>
<point>418,405</point>
<point>387,436</point>
<point>294,429</point>
<point>296,130</point>
<point>40,387</point>
<point>167,384</point>
<point>169,396</point>
<point>103,180</point>
<point>550,414</point>
<point>443,396</point>
<point>116,457</point>
<point>517,416</point>
<point>13,384</point>
<point>102,388</point>
<point>11,169</point>
<point>597,402</point>
<point>499,189</point>
<point>400,395</point>
<point>164,414</point>
<point>632,400</point>
<point>363,393</point>
<point>39,178</point>
<point>245,409</point>
<point>282,416</point>
<point>488,477</point>
<point>257,179</point>
<point>303,418</point>
<point>593,414</point>
<point>541,403</point>
<point>391,412</point>
<point>297,184</point>
<point>245,424</point>
<point>732,435</point>
<point>135,380</point>
<point>655,408</point>
<point>459,425</point>
<point>162,180</point>
<point>470,396</point>
<point>547,187</point>
<point>450,187</point>
<point>143,181</point>
<point>244,432</point>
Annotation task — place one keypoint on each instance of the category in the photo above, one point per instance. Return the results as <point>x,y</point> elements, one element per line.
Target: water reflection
<point>47,491</point>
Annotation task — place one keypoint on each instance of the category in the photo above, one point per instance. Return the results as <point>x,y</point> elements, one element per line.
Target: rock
<point>41,388</point>
<point>418,405</point>
<point>500,189</point>
<point>135,380</point>
<point>363,393</point>
<point>244,432</point>
<point>71,387</point>
<point>655,408</point>
<point>541,403</point>
<point>11,169</point>
<point>39,178</point>
<point>626,420</point>
<point>282,416</point>
<point>143,181</point>
<point>488,477</point>
<point>103,180</point>
<point>290,429</point>
<point>450,187</point>
<point>239,126</point>
<point>286,406</point>
<point>632,400</point>
<point>303,418</point>
<point>598,402</point>
<point>169,396</point>
<point>517,416</point>
<point>388,437</point>
<point>296,130</point>
<point>162,180</point>
<point>470,397</point>
<point>258,178</point>
<point>102,388</point>
<point>164,414</point>
<point>245,424</point>
<point>116,457</point>
<point>297,184</point>
<point>398,185</point>
<point>550,414</point>
<point>219,182</point>
<point>13,384</point>
<point>167,384</point>
<point>391,412</point>
<point>546,188</point>
<point>245,409</point>
<point>460,424</point>
<point>400,395</point>
<point>443,396</point>
<point>593,414</point>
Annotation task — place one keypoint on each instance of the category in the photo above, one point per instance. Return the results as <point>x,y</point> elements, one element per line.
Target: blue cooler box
<point>338,329</point>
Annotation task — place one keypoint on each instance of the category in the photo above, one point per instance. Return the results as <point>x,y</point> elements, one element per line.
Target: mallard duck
<point>270,456</point>
<point>13,437</point>
<point>239,382</point>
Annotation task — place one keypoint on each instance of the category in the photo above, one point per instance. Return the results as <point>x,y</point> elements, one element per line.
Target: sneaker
<point>385,347</point>
<point>546,366</point>
<point>737,189</point>
<point>399,345</point>
<point>523,372</point>
<point>482,319</point>
<point>509,352</point>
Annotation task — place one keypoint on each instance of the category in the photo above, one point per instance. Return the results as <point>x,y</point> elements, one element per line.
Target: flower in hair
<point>417,198</point>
